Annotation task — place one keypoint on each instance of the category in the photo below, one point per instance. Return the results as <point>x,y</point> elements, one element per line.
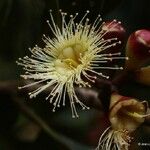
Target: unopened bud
<point>114,30</point>
<point>138,49</point>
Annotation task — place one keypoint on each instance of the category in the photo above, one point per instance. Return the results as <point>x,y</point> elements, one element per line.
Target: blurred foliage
<point>22,24</point>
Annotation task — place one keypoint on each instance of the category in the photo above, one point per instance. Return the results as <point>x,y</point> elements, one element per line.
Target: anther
<point>83,108</point>
<point>87,19</point>
<point>127,58</point>
<point>119,42</point>
<point>87,11</point>
<point>73,116</point>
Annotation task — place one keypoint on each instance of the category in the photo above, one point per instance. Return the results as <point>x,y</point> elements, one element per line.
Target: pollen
<point>69,59</point>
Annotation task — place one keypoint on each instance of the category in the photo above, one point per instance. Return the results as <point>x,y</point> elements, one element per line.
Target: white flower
<point>70,58</point>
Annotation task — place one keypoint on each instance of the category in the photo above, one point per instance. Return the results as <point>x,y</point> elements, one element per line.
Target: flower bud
<point>138,49</point>
<point>143,75</point>
<point>114,29</point>
<point>115,34</point>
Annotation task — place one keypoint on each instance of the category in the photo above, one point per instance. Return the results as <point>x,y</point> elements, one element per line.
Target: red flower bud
<point>138,49</point>
<point>114,30</point>
<point>115,33</point>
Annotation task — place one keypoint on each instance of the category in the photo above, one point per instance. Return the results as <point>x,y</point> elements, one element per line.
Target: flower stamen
<point>114,140</point>
<point>135,114</point>
<point>70,58</point>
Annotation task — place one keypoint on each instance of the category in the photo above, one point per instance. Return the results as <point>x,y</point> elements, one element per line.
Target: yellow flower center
<point>70,57</point>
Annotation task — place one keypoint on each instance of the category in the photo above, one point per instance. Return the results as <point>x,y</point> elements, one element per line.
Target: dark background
<point>22,24</point>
